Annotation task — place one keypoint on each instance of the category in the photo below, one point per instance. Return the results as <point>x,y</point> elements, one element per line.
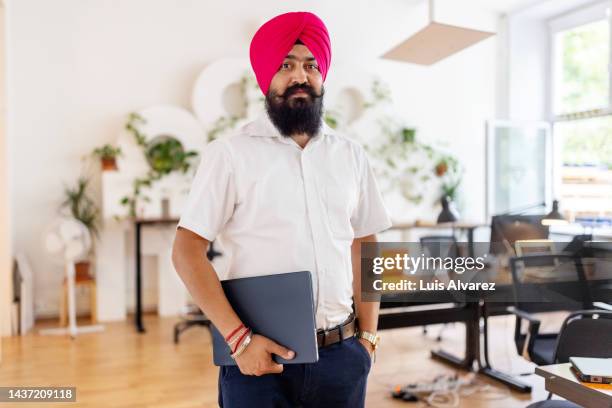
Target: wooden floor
<point>120,368</point>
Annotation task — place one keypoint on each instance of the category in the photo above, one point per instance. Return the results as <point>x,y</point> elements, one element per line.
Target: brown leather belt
<point>343,331</point>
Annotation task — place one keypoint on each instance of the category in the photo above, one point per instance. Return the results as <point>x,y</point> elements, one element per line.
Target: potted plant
<point>108,156</point>
<point>447,168</point>
<point>80,206</point>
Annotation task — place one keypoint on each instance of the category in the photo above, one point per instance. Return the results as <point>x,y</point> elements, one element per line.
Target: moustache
<point>297,88</point>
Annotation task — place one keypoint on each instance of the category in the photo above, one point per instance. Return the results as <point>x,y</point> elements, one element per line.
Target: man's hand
<point>368,346</point>
<point>257,357</point>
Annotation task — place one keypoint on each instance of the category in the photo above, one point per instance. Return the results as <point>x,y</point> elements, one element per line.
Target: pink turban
<point>273,41</point>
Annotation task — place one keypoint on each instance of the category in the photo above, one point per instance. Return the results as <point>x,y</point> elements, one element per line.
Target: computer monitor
<point>507,229</point>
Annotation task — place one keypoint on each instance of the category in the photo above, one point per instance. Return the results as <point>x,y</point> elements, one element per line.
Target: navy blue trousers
<point>337,380</point>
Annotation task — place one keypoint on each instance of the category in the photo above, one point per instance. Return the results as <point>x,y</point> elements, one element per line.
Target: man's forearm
<point>367,312</point>
<point>202,282</point>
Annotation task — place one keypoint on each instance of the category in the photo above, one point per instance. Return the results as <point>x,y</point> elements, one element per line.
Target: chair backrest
<point>599,269</point>
<point>534,246</point>
<point>507,229</point>
<point>578,244</point>
<point>440,246</point>
<point>549,282</point>
<point>585,327</point>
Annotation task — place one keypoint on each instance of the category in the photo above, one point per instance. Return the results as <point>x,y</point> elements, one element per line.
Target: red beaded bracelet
<point>229,336</point>
<point>240,341</point>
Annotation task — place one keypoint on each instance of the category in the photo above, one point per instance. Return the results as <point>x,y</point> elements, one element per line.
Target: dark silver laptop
<point>280,307</point>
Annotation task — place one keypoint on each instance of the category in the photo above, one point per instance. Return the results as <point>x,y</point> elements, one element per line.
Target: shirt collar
<point>263,127</point>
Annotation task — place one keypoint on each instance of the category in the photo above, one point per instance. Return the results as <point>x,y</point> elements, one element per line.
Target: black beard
<point>297,115</point>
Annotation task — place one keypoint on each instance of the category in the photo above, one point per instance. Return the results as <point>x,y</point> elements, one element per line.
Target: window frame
<point>572,19</point>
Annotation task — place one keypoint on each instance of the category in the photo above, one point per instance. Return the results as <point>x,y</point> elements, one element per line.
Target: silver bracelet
<point>243,345</point>
<point>237,337</point>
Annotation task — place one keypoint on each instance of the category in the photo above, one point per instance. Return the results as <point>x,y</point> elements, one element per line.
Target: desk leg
<point>489,371</point>
<point>472,344</point>
<point>506,379</point>
<point>138,312</point>
<point>472,352</point>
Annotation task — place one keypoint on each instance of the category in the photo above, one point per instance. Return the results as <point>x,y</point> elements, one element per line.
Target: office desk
<point>138,224</point>
<point>561,381</point>
<point>460,226</point>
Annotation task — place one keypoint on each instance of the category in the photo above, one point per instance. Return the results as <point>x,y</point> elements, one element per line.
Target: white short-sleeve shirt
<point>277,208</point>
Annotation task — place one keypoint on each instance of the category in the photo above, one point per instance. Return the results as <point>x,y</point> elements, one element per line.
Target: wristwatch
<point>374,339</point>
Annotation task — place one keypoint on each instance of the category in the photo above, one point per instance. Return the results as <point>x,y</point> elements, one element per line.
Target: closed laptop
<point>595,370</point>
<point>279,307</point>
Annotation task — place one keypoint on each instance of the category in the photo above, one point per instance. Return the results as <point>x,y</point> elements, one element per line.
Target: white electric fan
<point>70,239</point>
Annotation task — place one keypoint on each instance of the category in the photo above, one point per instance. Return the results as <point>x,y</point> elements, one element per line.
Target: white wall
<point>78,66</point>
<point>528,69</point>
<point>5,236</point>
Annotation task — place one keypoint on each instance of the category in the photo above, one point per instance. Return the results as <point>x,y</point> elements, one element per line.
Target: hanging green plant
<point>408,135</point>
<point>134,119</point>
<point>165,154</point>
<point>380,93</point>
<point>331,118</point>
<point>222,124</point>
<point>131,201</point>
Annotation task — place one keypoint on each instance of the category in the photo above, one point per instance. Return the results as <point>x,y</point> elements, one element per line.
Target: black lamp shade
<point>555,216</point>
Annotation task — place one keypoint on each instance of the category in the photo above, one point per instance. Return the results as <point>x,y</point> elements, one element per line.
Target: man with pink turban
<point>284,194</point>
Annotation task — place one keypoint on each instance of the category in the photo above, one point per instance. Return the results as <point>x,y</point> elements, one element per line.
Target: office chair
<point>439,246</point>
<point>584,327</point>
<point>561,287</point>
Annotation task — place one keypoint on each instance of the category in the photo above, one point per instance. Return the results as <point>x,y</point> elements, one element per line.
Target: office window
<point>582,111</point>
<point>582,58</point>
<point>518,169</point>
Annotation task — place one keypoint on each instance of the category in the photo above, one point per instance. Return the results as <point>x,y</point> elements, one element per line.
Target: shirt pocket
<point>340,201</point>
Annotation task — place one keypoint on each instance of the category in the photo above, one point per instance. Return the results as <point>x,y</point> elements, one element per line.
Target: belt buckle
<point>340,328</point>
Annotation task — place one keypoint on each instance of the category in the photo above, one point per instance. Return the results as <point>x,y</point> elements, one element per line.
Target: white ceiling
<point>501,6</point>
<point>505,6</point>
<point>535,8</point>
